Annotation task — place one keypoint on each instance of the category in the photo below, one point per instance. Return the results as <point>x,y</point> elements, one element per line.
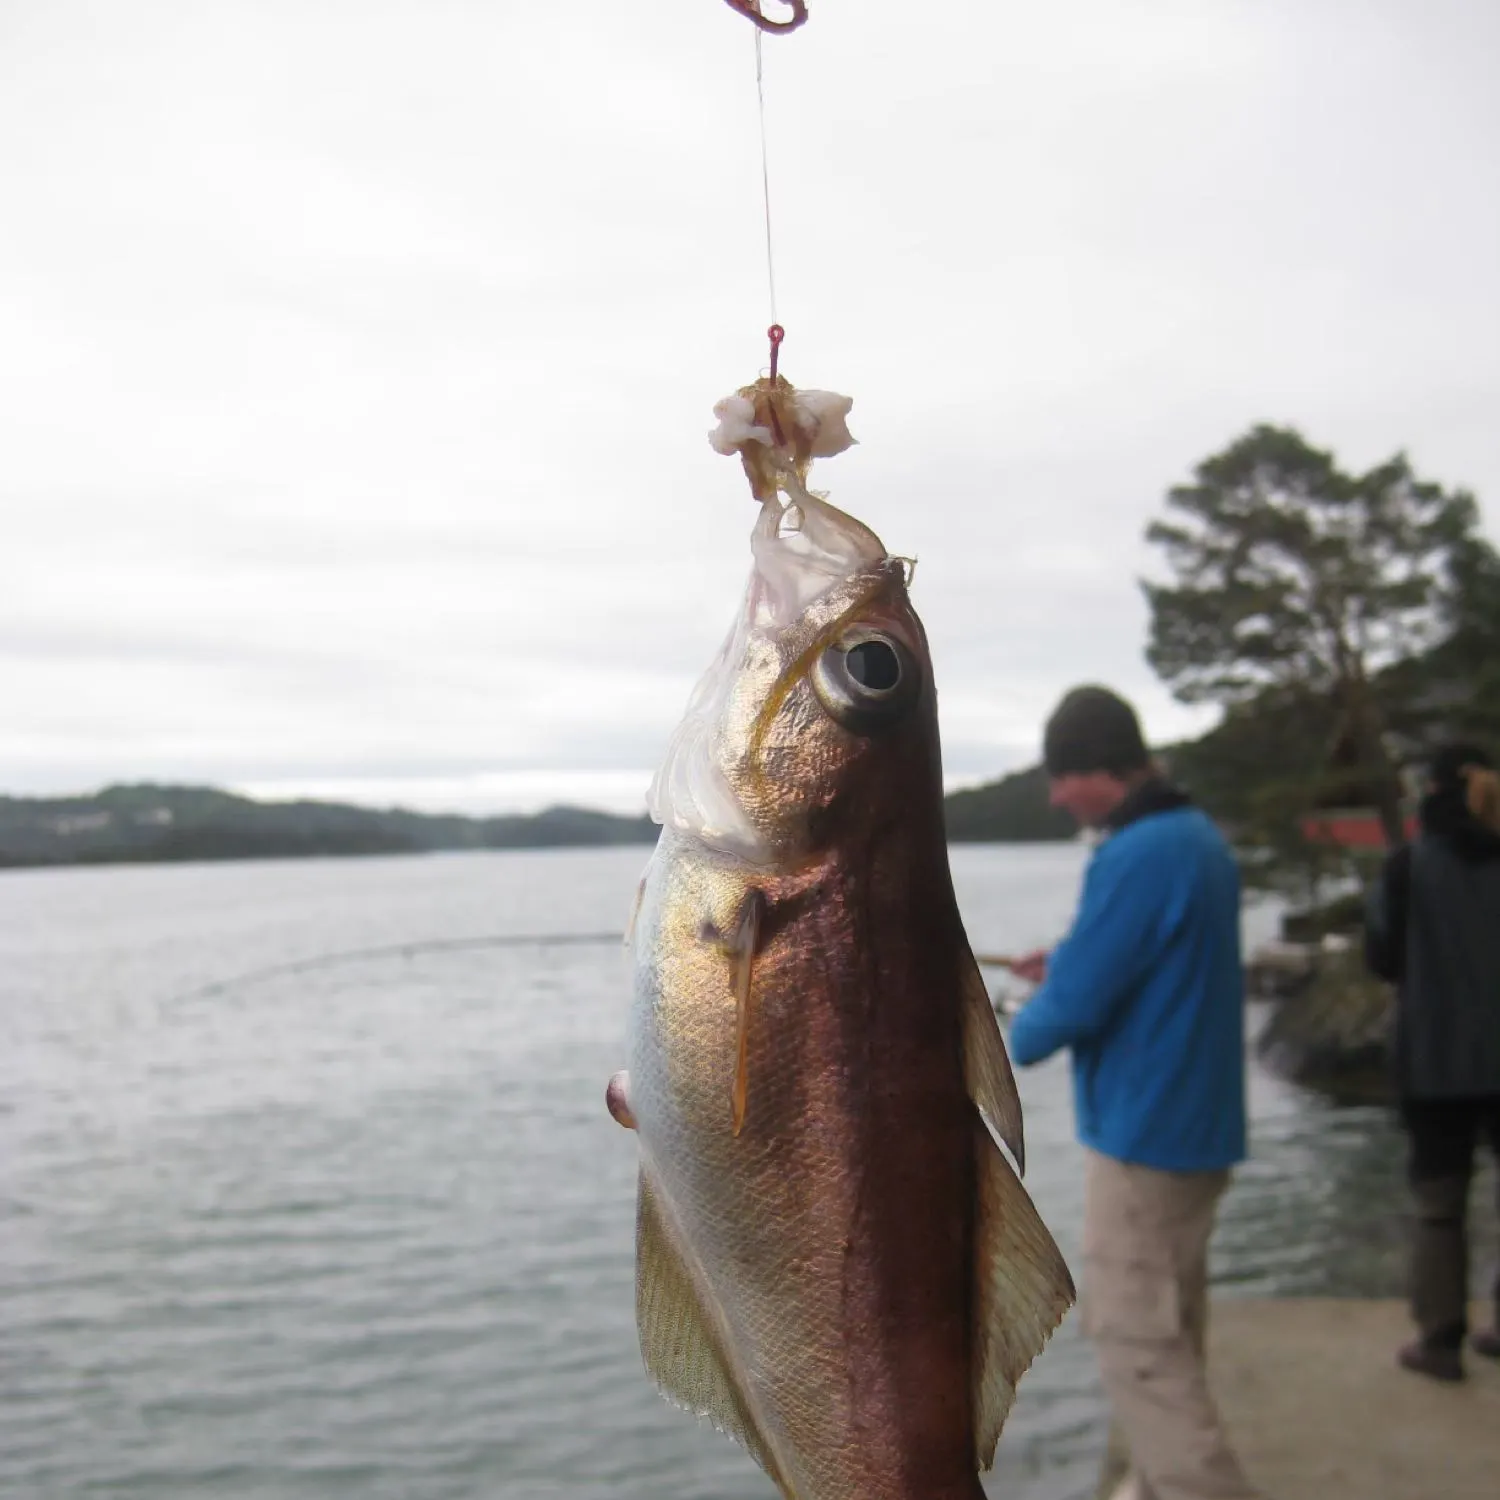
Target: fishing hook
<point>750,9</point>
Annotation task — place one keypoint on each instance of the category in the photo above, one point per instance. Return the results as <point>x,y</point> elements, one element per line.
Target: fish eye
<point>874,665</point>
<point>866,681</point>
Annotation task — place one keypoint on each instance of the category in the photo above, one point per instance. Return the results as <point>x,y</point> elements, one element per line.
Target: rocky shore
<point>1331,1029</point>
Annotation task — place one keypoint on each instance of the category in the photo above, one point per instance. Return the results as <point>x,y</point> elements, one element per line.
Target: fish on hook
<point>835,1260</point>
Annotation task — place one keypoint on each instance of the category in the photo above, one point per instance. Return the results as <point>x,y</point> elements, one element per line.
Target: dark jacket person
<point>1433,929</point>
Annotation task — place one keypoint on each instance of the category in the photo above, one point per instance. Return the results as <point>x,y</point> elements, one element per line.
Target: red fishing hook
<point>775,333</point>
<point>750,9</point>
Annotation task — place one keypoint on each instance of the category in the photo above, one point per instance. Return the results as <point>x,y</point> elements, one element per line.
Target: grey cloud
<point>357,432</point>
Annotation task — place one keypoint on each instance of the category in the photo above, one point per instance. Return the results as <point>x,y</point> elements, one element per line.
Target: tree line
<point>1343,623</point>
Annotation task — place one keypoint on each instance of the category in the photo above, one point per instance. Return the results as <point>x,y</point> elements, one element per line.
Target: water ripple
<point>366,1230</point>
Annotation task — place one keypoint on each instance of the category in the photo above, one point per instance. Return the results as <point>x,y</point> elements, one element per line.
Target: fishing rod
<point>997,961</point>
<point>400,950</point>
<point>318,961</point>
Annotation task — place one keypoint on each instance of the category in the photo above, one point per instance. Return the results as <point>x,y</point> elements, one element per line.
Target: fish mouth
<point>805,550</point>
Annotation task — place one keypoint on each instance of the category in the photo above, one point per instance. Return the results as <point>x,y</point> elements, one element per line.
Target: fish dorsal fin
<point>1022,1289</point>
<point>681,1348</point>
<point>987,1072</point>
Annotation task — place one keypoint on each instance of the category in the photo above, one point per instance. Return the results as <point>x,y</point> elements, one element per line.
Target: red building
<point>1349,827</point>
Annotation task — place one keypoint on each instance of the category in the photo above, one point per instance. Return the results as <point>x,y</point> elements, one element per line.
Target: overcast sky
<point>357,356</point>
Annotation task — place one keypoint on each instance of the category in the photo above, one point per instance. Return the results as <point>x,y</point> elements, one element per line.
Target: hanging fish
<point>836,1262</point>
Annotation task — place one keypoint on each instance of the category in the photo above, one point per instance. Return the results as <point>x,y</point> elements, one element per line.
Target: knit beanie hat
<point>1446,767</point>
<point>1093,729</point>
<point>1464,776</point>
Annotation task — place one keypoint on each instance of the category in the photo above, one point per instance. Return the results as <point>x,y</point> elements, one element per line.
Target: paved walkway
<point>1318,1409</point>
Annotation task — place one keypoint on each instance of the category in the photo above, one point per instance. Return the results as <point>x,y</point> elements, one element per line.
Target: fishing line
<point>753,10</point>
<point>399,950</point>
<point>765,182</point>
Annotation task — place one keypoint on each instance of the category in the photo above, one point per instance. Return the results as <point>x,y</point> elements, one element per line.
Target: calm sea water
<point>366,1230</point>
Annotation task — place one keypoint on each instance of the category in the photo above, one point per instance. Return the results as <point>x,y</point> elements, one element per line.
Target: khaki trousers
<point>1144,1303</point>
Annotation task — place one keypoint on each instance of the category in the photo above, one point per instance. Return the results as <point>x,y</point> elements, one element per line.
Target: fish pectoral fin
<point>635,912</point>
<point>682,1349</point>
<point>987,1070</point>
<point>741,945</point>
<point>1022,1290</point>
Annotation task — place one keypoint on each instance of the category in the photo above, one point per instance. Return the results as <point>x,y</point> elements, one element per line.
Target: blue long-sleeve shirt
<point>1147,989</point>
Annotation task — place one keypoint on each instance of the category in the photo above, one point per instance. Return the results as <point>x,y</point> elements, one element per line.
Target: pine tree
<point>1298,584</point>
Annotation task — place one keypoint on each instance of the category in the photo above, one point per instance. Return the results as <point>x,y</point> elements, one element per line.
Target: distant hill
<point>162,823</point>
<point>150,824</point>
<point>1012,810</point>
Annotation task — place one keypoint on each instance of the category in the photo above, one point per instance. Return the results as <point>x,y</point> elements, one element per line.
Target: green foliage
<point>1255,773</point>
<point>1291,573</point>
<point>1301,598</point>
<point>1453,691</point>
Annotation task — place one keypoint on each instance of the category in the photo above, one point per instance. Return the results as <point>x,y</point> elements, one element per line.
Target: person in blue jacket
<point>1147,993</point>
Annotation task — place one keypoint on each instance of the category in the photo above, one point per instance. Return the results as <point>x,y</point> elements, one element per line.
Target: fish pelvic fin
<point>617,1100</point>
<point>1022,1290</point>
<point>682,1348</point>
<point>987,1070</point>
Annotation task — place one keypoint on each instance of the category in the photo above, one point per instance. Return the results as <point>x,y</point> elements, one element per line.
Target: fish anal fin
<point>681,1348</point>
<point>987,1070</point>
<point>1022,1290</point>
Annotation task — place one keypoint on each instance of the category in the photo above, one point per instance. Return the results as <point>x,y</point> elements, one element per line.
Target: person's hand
<point>1032,967</point>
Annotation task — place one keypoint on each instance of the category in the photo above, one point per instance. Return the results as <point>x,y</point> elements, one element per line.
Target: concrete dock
<point>1319,1410</point>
